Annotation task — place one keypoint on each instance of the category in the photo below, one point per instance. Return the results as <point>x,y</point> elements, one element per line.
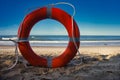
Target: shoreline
<point>65,43</point>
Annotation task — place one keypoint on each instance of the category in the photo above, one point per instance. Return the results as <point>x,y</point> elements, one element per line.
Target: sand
<point>98,63</point>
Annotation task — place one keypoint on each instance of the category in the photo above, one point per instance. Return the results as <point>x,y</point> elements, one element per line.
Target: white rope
<point>16,55</point>
<point>65,4</point>
<point>15,41</point>
<point>74,11</point>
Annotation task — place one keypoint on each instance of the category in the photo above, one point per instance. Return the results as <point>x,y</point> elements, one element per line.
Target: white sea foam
<point>48,41</point>
<point>12,38</point>
<point>65,43</point>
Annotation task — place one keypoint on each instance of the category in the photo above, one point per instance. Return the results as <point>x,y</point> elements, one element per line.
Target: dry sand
<point>99,63</point>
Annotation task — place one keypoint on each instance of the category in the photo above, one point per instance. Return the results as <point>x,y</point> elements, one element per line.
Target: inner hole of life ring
<point>48,38</point>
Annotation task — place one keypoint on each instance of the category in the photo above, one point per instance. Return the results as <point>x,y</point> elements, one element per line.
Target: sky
<point>94,17</point>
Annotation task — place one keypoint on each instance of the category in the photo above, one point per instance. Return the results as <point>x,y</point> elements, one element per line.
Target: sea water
<point>62,40</point>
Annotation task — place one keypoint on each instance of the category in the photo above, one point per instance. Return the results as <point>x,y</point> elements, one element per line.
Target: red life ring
<point>34,17</point>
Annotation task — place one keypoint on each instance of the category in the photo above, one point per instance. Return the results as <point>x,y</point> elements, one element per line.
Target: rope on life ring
<point>38,15</point>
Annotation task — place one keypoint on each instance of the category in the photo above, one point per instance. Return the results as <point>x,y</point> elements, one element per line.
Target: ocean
<point>62,40</point>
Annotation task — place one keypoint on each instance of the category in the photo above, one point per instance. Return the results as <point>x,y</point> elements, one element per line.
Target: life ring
<point>34,17</point>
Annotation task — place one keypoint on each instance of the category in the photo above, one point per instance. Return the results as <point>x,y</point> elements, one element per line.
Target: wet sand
<point>98,63</point>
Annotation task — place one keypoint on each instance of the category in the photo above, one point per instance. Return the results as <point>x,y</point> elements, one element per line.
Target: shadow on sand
<point>91,68</point>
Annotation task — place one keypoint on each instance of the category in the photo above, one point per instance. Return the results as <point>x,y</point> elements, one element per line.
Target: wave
<point>65,43</point>
<point>11,38</point>
<point>48,41</point>
<point>62,40</point>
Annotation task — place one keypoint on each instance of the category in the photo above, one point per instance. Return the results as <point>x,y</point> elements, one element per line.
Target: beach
<point>98,63</point>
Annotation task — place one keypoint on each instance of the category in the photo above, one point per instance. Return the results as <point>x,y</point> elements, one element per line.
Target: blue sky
<point>94,17</point>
